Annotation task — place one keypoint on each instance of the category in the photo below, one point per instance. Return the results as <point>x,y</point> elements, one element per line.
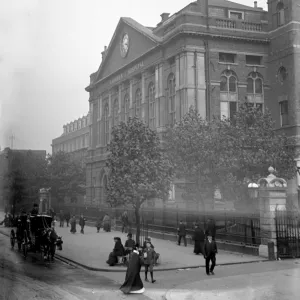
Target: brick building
<point>75,139</point>
<point>211,54</point>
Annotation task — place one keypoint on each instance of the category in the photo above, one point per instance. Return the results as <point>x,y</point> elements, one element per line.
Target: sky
<point>48,49</point>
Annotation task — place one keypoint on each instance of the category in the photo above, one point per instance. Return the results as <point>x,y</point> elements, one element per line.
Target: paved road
<point>32,279</point>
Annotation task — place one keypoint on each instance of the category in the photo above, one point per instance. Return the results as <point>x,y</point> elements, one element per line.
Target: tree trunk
<point>138,224</point>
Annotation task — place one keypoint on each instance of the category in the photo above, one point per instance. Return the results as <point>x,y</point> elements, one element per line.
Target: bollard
<point>271,251</point>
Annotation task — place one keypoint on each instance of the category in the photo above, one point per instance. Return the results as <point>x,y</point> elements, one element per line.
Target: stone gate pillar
<point>272,197</point>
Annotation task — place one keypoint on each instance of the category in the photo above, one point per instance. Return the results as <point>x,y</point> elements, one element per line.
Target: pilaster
<point>177,88</point>
<point>120,100</point>
<point>143,89</point>
<point>130,93</point>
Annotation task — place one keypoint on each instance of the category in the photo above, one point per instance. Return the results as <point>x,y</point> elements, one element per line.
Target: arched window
<point>138,102</point>
<point>106,124</point>
<point>255,90</point>
<point>116,112</point>
<point>280,14</point>
<point>171,98</point>
<point>151,97</point>
<point>228,94</point>
<point>126,108</point>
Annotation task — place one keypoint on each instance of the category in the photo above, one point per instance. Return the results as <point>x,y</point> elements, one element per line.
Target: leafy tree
<point>138,167</point>
<point>65,175</point>
<point>228,153</point>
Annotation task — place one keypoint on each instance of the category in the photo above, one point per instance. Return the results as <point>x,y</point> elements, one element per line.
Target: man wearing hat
<point>210,251</point>
<point>129,244</point>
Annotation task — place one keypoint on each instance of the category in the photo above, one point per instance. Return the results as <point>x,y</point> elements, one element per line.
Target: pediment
<point>141,40</point>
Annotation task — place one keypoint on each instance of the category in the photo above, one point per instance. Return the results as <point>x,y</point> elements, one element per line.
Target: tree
<point>228,153</point>
<point>65,175</point>
<point>138,167</point>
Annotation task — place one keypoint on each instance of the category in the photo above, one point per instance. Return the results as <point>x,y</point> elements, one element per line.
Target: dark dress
<point>133,280</point>
<point>199,238</point>
<point>113,256</point>
<point>73,225</point>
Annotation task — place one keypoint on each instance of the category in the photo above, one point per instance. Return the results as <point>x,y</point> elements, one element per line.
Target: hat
<point>129,235</point>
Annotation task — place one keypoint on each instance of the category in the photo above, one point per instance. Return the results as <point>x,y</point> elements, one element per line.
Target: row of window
<point>231,58</point>
<point>73,145</point>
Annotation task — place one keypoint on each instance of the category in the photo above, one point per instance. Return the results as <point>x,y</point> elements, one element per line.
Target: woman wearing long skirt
<point>73,225</point>
<point>133,283</point>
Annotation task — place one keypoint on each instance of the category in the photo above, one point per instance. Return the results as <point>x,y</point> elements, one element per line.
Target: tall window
<point>228,94</point>
<point>284,113</point>
<point>171,98</point>
<point>138,102</point>
<point>106,123</point>
<point>116,112</point>
<point>126,108</point>
<point>255,90</point>
<point>280,14</point>
<point>151,98</point>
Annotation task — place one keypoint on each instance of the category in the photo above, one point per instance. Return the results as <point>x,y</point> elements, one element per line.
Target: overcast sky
<point>48,49</point>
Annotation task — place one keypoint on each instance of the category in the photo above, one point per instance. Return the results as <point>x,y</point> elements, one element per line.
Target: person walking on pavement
<point>181,233</point>
<point>68,217</point>
<point>73,224</point>
<point>124,221</point>
<point>98,223</point>
<point>82,223</point>
<point>210,251</point>
<point>149,260</point>
<point>106,223</point>
<point>199,238</point>
<point>61,219</point>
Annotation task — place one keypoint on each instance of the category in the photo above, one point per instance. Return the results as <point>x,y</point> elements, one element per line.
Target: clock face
<point>124,46</point>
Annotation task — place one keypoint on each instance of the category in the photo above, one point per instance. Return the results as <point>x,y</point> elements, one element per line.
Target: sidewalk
<point>91,250</point>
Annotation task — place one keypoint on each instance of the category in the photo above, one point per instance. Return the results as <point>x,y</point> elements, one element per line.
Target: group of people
<point>204,243</point>
<point>105,223</point>
<point>73,224</point>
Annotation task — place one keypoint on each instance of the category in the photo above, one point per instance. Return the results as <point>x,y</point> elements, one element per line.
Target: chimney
<point>255,4</point>
<point>104,52</point>
<point>164,16</point>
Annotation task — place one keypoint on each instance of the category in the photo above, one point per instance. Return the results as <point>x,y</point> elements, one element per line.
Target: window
<point>116,112</point>
<point>284,113</point>
<point>126,108</point>
<point>138,102</point>
<point>106,124</point>
<point>228,94</point>
<point>282,74</point>
<point>171,98</point>
<point>255,90</point>
<point>151,97</point>
<point>280,14</point>
<point>238,15</point>
<point>227,58</point>
<point>253,60</point>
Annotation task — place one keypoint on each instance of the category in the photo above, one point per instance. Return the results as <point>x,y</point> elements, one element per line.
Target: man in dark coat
<point>125,221</point>
<point>82,223</point>
<point>68,217</point>
<point>199,238</point>
<point>133,283</point>
<point>35,210</point>
<point>129,244</point>
<point>181,230</point>
<point>210,251</point>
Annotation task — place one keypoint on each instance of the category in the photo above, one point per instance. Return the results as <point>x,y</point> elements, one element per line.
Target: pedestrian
<point>73,224</point>
<point>35,210</point>
<point>129,244</point>
<point>106,223</point>
<point>61,219</point>
<point>98,223</point>
<point>68,217</point>
<point>210,251</point>
<point>181,231</point>
<point>199,238</point>
<point>149,261</point>
<point>124,221</point>
<point>133,283</point>
<point>117,251</point>
<point>82,223</point>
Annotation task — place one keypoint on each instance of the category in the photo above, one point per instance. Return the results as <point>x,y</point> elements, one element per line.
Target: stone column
<point>201,85</point>
<point>177,88</point>
<point>109,113</point>
<point>120,100</point>
<point>130,93</point>
<point>143,105</point>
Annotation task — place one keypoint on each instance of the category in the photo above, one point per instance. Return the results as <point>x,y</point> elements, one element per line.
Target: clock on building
<point>124,45</point>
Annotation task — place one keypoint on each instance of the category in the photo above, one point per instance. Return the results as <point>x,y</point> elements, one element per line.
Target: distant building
<point>6,157</point>
<point>213,55</point>
<point>75,139</point>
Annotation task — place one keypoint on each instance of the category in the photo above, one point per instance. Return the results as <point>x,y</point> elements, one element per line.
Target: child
<point>149,259</point>
<point>210,250</point>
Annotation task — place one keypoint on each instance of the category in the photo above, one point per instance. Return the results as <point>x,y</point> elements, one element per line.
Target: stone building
<point>75,139</point>
<point>213,55</point>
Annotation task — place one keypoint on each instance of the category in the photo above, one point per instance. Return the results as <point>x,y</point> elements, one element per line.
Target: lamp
<point>253,190</point>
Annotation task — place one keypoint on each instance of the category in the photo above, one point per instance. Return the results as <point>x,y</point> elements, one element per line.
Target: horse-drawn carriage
<point>35,234</point>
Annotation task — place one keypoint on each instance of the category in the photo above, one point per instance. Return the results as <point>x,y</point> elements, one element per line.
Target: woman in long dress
<point>133,283</point>
<point>106,223</point>
<point>73,225</point>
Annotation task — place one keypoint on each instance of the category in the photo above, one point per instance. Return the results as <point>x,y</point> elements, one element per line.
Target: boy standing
<point>181,231</point>
<point>210,251</point>
<point>149,259</point>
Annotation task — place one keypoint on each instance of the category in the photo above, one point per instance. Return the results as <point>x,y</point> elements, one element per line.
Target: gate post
<point>272,197</point>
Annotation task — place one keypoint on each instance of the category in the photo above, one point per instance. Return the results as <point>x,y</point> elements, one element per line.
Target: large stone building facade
<point>213,55</point>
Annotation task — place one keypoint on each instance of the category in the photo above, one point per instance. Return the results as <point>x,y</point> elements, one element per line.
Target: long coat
<point>73,225</point>
<point>199,238</point>
<point>133,280</point>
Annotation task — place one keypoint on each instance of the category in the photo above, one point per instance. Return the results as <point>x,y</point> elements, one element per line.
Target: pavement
<point>91,249</point>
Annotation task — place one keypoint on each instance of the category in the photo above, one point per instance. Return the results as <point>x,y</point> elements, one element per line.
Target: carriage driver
<point>35,210</point>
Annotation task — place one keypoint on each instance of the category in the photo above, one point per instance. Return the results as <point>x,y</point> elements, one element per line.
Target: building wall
<point>189,42</point>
